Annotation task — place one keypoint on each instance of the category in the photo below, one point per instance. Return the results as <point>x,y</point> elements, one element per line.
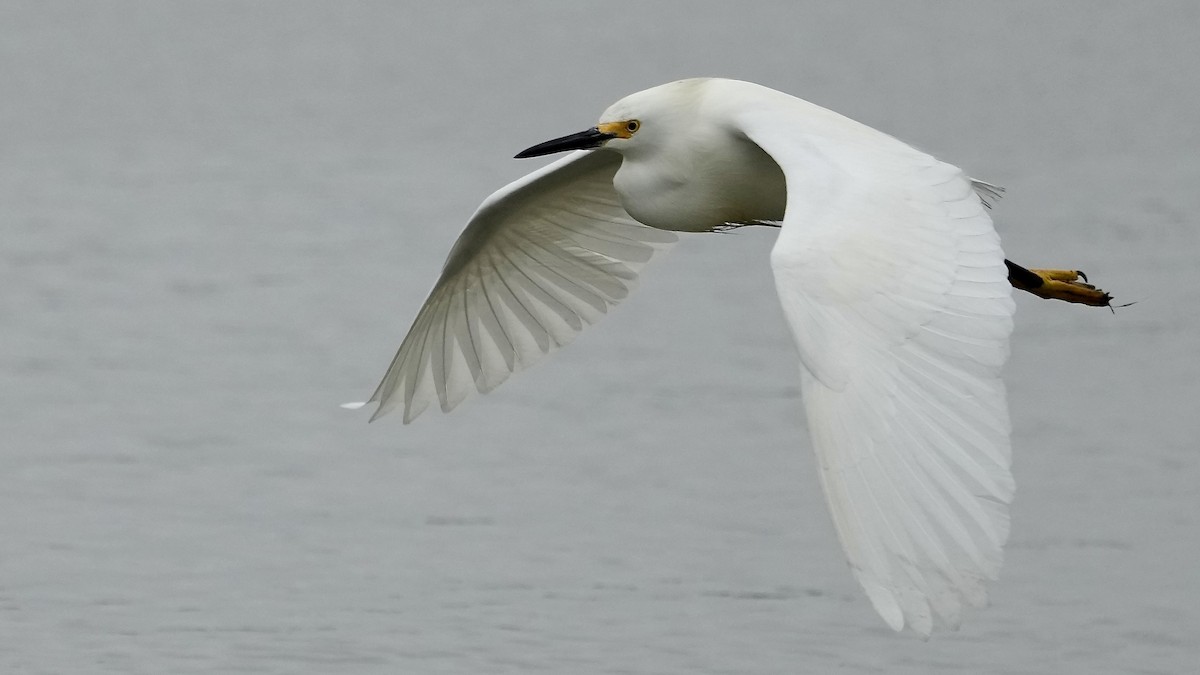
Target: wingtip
<point>353,405</point>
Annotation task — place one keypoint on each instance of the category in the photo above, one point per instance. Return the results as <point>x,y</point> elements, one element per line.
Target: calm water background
<point>217,220</point>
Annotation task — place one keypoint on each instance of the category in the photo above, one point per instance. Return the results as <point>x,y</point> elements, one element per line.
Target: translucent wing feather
<point>894,285</point>
<point>540,259</point>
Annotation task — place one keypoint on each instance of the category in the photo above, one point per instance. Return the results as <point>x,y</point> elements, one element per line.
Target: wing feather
<point>893,282</point>
<point>540,259</point>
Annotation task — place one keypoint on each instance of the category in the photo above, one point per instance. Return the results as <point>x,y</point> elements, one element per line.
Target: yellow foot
<point>1057,285</point>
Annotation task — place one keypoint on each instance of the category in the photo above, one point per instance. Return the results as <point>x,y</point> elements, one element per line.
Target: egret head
<point>625,121</point>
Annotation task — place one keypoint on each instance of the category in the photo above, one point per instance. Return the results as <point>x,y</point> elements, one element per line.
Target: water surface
<point>217,220</point>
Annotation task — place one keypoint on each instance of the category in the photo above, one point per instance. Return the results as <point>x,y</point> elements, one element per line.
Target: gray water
<point>217,220</point>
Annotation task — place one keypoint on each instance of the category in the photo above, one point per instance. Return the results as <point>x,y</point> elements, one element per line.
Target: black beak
<point>584,140</point>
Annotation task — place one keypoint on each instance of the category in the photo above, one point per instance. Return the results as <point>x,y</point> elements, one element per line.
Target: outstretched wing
<point>894,285</point>
<point>541,258</point>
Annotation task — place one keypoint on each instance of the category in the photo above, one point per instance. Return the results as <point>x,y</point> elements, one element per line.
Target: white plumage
<point>539,260</point>
<point>888,269</point>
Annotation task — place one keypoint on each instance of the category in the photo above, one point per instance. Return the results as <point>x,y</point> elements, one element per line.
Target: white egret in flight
<point>891,278</point>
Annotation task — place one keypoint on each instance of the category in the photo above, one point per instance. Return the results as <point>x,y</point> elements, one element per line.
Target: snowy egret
<point>888,269</point>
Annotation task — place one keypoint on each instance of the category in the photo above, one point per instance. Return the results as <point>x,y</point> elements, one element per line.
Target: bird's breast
<point>702,191</point>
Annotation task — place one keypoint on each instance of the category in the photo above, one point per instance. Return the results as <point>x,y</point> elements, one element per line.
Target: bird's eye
<point>632,126</point>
